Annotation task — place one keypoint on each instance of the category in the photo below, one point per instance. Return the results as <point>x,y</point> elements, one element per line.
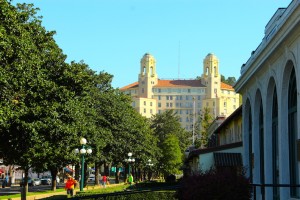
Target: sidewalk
<point>42,196</point>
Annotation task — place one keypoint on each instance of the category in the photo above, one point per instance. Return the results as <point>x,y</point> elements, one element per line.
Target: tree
<point>171,155</point>
<point>164,126</point>
<point>168,123</point>
<point>230,80</point>
<point>206,120</point>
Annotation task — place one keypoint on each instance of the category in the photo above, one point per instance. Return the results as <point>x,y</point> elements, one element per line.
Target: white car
<point>47,180</point>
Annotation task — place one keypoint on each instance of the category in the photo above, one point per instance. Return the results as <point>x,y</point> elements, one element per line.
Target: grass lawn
<point>57,194</point>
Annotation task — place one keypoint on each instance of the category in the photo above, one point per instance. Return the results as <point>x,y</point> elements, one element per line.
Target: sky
<point>113,35</point>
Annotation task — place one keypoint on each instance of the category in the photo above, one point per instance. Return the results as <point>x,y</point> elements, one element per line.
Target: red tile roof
<point>130,86</point>
<point>177,83</point>
<point>226,86</point>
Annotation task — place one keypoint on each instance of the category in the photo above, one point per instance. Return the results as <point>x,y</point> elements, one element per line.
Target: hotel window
<point>167,97</point>
<point>151,111</point>
<point>167,105</point>
<point>199,98</point>
<point>228,92</point>
<point>142,90</point>
<point>171,105</point>
<point>207,104</point>
<point>159,105</point>
<point>159,97</point>
<point>150,103</point>
<point>187,119</point>
<point>177,105</point>
<point>234,106</point>
<point>159,90</point>
<point>144,103</point>
<point>171,97</point>
<point>189,90</point>
<point>213,104</point>
<point>144,110</point>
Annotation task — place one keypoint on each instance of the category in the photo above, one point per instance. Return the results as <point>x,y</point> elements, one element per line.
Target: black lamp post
<point>150,164</point>
<point>84,150</point>
<point>129,160</point>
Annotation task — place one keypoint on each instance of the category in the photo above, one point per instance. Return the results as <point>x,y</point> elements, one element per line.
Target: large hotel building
<point>187,98</point>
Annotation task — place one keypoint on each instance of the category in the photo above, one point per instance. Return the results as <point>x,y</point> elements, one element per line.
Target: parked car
<point>31,181</point>
<point>47,180</point>
<point>36,181</point>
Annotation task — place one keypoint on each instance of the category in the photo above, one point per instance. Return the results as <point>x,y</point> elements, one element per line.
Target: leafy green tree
<point>206,120</point>
<point>230,80</point>
<point>168,123</point>
<point>165,125</point>
<point>24,83</point>
<point>171,155</point>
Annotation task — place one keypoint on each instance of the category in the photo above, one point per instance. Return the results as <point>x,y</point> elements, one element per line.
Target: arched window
<point>261,148</point>
<point>251,156</point>
<point>275,153</point>
<point>292,117</point>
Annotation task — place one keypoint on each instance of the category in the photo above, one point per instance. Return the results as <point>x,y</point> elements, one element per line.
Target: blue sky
<point>113,35</point>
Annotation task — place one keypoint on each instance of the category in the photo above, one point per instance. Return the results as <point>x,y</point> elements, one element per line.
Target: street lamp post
<point>84,150</point>
<point>150,164</point>
<point>129,160</point>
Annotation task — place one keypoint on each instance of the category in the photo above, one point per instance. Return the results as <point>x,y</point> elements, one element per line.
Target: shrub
<point>216,185</point>
<point>171,178</point>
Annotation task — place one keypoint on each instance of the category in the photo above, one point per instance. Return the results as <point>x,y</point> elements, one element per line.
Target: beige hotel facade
<point>187,98</point>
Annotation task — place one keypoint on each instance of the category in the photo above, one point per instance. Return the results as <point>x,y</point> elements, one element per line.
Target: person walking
<point>104,180</point>
<point>130,179</point>
<point>70,184</point>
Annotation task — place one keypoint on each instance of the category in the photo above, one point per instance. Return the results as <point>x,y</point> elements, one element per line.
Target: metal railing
<point>264,186</point>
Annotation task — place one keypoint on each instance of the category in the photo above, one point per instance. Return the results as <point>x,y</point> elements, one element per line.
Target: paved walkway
<point>42,196</point>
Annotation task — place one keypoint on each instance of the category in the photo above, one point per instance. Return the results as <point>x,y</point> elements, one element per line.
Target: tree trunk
<point>25,185</point>
<point>97,173</point>
<point>117,180</point>
<point>77,172</point>
<point>11,167</point>
<point>53,176</point>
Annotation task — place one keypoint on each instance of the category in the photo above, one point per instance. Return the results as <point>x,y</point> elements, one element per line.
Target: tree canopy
<point>47,104</point>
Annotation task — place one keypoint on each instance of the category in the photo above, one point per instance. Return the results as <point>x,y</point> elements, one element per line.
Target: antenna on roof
<point>179,61</point>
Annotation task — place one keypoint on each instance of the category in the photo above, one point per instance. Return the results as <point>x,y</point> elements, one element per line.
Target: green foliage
<point>230,80</point>
<point>165,195</point>
<point>168,123</point>
<point>171,155</point>
<point>48,104</point>
<point>168,130</point>
<point>215,184</point>
<point>206,120</point>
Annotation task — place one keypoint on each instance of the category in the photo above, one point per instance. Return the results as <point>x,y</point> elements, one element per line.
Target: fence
<point>274,186</point>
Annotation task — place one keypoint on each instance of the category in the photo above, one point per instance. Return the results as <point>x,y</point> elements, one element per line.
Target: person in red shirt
<point>104,180</point>
<point>70,185</point>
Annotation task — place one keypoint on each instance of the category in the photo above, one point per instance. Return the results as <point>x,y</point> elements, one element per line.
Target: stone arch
<point>288,126</point>
<point>247,136</point>
<point>271,133</point>
<point>258,141</point>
